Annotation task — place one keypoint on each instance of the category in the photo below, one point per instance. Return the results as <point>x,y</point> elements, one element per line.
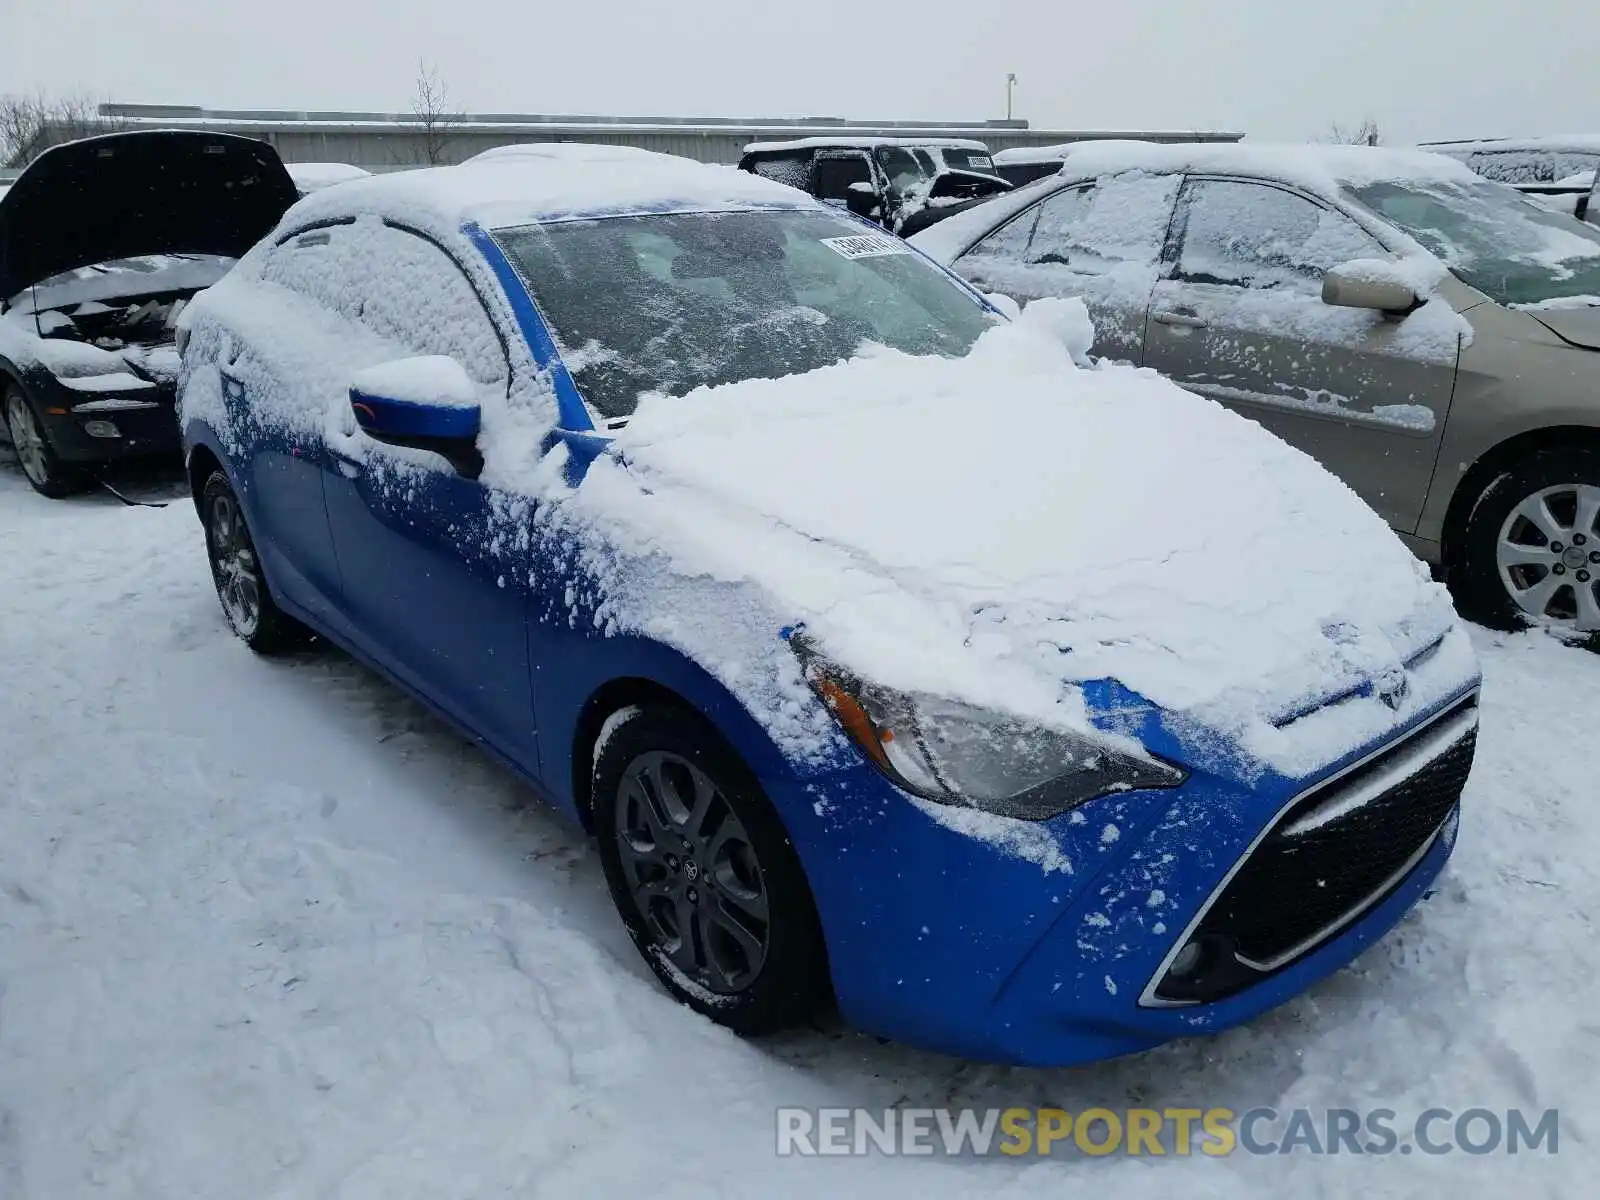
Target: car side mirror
<point>1373,283</point>
<point>429,403</point>
<point>862,199</point>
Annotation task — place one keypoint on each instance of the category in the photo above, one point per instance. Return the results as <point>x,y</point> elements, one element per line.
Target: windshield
<point>1494,239</point>
<point>670,302</point>
<point>967,160</point>
<point>905,167</point>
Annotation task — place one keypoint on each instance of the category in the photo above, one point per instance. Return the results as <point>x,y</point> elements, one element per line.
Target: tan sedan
<point>1429,336</point>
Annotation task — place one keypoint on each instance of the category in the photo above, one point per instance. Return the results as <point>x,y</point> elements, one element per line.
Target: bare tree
<point>1365,134</point>
<point>431,105</point>
<point>31,124</point>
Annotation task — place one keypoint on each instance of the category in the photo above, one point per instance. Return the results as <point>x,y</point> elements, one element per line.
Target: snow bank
<point>1035,526</point>
<point>330,950</point>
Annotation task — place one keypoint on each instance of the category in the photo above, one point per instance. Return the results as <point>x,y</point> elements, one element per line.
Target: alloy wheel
<point>692,870</point>
<point>27,440</point>
<point>1548,553</point>
<point>234,565</point>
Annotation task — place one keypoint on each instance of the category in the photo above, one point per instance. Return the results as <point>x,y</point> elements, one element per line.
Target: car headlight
<point>962,754</point>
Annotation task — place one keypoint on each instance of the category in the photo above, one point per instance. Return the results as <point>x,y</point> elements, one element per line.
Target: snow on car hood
<point>1000,527</point>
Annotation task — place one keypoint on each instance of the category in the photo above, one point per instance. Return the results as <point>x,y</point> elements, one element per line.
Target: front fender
<point>574,669</point>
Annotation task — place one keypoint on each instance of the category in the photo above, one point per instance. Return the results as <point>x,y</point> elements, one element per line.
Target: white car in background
<point>314,176</point>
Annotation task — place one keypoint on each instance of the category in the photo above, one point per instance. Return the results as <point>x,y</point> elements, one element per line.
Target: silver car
<point>1431,337</point>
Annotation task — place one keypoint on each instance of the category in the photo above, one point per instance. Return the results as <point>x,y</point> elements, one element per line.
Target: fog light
<point>1187,962</point>
<point>102,429</point>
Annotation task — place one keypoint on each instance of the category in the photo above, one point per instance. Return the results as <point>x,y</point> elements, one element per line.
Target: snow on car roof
<point>865,143</point>
<point>310,176</point>
<point>1317,168</point>
<point>1061,150</point>
<point>565,152</point>
<point>1580,143</point>
<point>529,183</point>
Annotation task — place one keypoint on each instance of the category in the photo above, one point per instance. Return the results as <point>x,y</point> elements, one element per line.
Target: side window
<point>1055,233</point>
<point>791,170</point>
<point>415,294</point>
<point>1514,166</point>
<point>833,176</point>
<point>311,263</point>
<point>1115,223</point>
<point>1568,165</point>
<point>398,285</point>
<point>1009,243</point>
<point>1260,236</point>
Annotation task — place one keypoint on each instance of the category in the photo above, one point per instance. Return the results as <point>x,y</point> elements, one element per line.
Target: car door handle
<point>1181,320</point>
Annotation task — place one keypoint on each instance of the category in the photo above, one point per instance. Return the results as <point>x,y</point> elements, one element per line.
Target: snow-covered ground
<point>267,929</point>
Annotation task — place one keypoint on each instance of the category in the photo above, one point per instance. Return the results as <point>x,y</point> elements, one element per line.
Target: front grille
<point>1326,860</point>
<point>1297,884</point>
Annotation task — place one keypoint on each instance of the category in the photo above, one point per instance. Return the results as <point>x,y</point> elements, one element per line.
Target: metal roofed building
<point>380,141</point>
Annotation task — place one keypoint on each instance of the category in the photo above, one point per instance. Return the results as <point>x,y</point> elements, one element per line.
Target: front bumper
<point>1042,944</point>
<point>144,419</point>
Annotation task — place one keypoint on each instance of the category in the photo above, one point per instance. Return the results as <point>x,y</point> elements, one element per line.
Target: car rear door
<point>1101,241</point>
<point>1241,319</point>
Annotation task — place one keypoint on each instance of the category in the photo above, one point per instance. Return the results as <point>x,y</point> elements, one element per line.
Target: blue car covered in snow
<point>899,657</point>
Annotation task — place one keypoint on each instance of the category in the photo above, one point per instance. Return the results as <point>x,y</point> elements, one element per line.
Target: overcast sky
<point>1272,68</point>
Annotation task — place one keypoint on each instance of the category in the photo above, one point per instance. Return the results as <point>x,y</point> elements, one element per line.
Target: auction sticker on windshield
<point>866,245</point>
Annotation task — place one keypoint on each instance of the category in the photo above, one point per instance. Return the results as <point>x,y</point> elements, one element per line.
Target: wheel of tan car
<point>43,470</point>
<point>1530,554</point>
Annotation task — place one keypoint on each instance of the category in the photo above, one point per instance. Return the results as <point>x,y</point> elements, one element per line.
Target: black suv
<point>903,184</point>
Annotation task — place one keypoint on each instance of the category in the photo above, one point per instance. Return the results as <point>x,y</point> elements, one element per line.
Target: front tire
<point>704,875</point>
<point>1530,553</point>
<point>45,472</point>
<point>246,601</point>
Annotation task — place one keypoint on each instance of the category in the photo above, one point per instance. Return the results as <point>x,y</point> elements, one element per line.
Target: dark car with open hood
<point>102,243</point>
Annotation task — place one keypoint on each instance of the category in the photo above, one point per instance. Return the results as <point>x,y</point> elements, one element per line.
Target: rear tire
<point>242,590</point>
<point>1530,553</point>
<point>44,471</point>
<point>703,874</point>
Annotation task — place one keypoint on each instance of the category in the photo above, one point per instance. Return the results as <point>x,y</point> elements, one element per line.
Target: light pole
<point>1011,82</point>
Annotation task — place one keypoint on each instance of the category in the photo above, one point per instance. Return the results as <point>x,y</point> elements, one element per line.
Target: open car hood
<point>1578,325</point>
<point>129,194</point>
